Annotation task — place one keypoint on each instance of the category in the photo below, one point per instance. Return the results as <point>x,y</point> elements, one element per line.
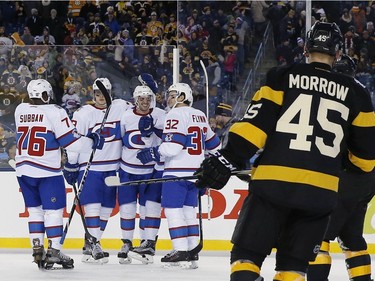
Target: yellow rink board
<point>163,244</point>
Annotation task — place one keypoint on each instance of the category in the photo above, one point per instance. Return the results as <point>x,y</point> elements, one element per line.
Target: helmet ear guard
<point>37,87</point>
<point>325,38</point>
<point>183,88</point>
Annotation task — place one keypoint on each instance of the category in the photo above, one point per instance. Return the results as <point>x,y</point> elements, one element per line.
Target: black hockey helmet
<point>345,65</point>
<point>324,37</point>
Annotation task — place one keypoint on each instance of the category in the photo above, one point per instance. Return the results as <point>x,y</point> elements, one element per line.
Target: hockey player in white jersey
<point>97,199</point>
<point>152,220</point>
<point>42,130</point>
<point>186,137</point>
<point>139,125</point>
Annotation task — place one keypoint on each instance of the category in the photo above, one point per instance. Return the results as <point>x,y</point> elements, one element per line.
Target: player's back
<point>315,111</point>
<point>186,136</point>
<point>40,133</point>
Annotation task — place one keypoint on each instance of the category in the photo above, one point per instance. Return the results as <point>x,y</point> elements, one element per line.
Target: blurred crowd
<point>356,21</point>
<point>71,43</point>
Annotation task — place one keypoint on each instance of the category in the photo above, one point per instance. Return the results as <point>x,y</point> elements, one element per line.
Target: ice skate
<point>39,253</point>
<point>94,253</point>
<point>55,256</point>
<point>123,254</point>
<point>193,259</point>
<point>144,252</point>
<point>176,258</point>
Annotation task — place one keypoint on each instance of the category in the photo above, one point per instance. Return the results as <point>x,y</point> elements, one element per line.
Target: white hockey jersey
<point>186,137</point>
<point>41,131</point>
<point>133,141</point>
<point>88,119</point>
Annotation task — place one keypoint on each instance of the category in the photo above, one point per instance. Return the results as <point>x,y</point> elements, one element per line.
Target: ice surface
<point>213,266</point>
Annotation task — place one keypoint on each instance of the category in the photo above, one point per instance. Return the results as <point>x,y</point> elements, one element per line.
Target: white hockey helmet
<point>182,88</point>
<point>141,91</point>
<point>37,87</point>
<point>105,82</point>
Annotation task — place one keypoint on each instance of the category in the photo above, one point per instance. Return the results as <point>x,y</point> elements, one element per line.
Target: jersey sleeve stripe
<point>268,93</point>
<point>295,175</point>
<point>365,119</point>
<point>363,164</point>
<point>249,132</point>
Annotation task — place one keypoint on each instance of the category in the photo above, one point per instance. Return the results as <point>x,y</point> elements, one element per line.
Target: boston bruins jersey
<point>305,117</point>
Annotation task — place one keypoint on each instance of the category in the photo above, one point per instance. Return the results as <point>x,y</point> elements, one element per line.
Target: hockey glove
<point>214,172</point>
<point>202,191</point>
<point>149,154</point>
<point>71,172</point>
<point>98,140</point>
<point>146,125</point>
<point>148,80</point>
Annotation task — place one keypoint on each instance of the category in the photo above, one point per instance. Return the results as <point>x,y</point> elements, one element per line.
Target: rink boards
<point>217,230</point>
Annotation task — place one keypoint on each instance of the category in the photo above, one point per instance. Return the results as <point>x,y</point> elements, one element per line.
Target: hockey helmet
<point>182,88</point>
<point>37,87</point>
<point>345,65</point>
<point>105,82</point>
<point>324,37</point>
<point>142,91</point>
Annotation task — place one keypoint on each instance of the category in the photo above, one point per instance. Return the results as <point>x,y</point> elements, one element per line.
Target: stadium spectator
<point>35,23</point>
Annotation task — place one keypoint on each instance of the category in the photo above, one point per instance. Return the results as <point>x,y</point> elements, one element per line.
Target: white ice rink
<point>213,266</point>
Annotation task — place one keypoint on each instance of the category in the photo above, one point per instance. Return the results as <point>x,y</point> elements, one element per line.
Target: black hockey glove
<point>214,172</point>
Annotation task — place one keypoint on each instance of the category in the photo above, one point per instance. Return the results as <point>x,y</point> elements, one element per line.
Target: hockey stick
<point>108,100</point>
<point>199,247</point>
<point>208,118</point>
<point>88,235</point>
<point>115,180</point>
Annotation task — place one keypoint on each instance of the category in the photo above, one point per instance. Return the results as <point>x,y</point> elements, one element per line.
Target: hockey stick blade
<point>115,180</point>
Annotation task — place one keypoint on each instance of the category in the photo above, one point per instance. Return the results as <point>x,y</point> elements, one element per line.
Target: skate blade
<point>145,259</point>
<point>194,264</point>
<point>90,259</point>
<point>176,265</point>
<point>48,267</point>
<point>125,260</point>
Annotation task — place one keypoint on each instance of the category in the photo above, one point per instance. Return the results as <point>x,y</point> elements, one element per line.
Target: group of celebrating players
<point>314,126</point>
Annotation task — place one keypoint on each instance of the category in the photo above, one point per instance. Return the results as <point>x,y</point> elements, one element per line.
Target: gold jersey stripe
<point>322,259</point>
<point>295,175</point>
<point>288,276</point>
<point>350,254</point>
<point>365,119</point>
<point>268,93</point>
<point>359,271</point>
<point>325,246</point>
<point>363,164</point>
<point>244,266</point>
<point>249,132</point>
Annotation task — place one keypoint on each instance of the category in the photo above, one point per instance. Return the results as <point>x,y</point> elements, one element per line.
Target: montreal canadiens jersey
<point>133,141</point>
<point>306,118</point>
<point>88,119</point>
<point>41,131</point>
<point>186,137</point>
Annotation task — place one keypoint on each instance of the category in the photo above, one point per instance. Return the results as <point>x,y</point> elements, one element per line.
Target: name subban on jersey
<point>319,84</point>
<point>31,118</point>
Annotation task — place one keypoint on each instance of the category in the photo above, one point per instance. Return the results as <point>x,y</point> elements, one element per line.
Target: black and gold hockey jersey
<point>306,117</point>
